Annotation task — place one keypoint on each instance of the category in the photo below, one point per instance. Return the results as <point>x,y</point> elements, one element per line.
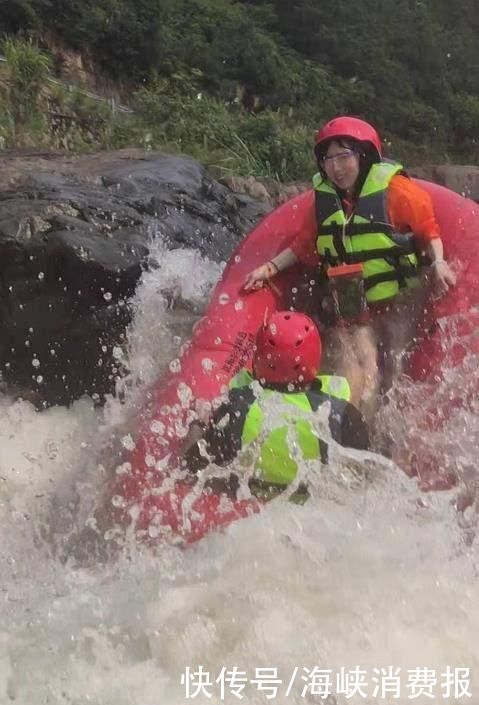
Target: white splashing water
<point>167,304</point>
<point>370,572</point>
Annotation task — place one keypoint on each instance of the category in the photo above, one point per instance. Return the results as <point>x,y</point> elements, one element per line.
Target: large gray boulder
<point>460,178</point>
<point>74,240</point>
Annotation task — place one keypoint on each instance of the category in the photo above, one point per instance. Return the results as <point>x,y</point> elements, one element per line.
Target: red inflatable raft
<point>158,500</point>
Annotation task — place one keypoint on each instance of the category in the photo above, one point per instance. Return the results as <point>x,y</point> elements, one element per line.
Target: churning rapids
<point>371,572</point>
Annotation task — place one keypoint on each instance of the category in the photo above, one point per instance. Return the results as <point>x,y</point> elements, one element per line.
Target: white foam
<point>369,572</point>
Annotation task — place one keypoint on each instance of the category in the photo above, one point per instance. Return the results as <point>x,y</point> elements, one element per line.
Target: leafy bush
<point>26,72</point>
<point>224,136</point>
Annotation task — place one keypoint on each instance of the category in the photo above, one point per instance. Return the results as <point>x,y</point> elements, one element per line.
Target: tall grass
<point>24,78</point>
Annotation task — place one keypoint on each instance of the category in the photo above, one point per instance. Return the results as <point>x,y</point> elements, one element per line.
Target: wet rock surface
<point>75,234</point>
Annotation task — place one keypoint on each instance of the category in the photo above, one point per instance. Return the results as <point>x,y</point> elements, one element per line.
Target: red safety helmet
<point>348,127</point>
<point>288,349</point>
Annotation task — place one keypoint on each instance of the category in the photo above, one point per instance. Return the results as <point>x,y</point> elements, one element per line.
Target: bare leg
<point>366,352</point>
<point>371,356</point>
<point>395,329</point>
<point>351,353</point>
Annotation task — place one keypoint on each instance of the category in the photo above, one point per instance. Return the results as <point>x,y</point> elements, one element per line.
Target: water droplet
<point>218,341</point>
<point>162,463</point>
<point>239,305</point>
<point>40,379</point>
<point>180,429</point>
<point>185,394</point>
<point>207,364</point>
<point>134,512</point>
<point>237,258</point>
<point>108,296</point>
<point>157,427</point>
<point>128,442</point>
<point>150,461</point>
<point>118,501</point>
<point>290,387</point>
<point>123,469</point>
<point>41,275</point>
<point>36,362</point>
<point>175,366</point>
<point>224,298</point>
<point>203,448</point>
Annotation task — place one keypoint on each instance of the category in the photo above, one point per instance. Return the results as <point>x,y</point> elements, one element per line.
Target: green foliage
<point>76,121</point>
<point>465,114</point>
<point>26,72</point>
<point>223,136</point>
<point>243,84</point>
<point>22,14</point>
<point>464,109</point>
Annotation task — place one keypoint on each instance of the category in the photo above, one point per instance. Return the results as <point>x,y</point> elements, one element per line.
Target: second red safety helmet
<point>288,349</point>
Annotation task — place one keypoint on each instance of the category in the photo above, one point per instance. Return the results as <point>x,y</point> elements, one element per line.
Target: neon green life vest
<point>275,464</point>
<point>388,257</point>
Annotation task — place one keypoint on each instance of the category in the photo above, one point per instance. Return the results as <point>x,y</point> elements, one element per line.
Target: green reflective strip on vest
<point>377,181</point>
<point>242,379</point>
<point>335,386</point>
<point>275,463</point>
<point>387,290</point>
<point>319,182</point>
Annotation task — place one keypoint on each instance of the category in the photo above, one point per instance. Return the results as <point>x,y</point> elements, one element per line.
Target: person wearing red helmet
<point>284,381</point>
<point>367,215</point>
<point>287,350</point>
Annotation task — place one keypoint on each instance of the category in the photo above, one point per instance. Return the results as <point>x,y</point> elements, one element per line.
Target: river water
<point>282,607</point>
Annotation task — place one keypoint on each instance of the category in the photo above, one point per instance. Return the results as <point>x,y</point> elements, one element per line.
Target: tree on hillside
<point>22,15</point>
<point>410,64</point>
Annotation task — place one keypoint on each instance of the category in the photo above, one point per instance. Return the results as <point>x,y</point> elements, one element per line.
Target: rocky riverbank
<point>74,239</point>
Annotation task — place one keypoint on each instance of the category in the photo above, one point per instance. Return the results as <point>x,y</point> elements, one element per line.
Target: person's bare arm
<point>444,277</point>
<point>256,279</point>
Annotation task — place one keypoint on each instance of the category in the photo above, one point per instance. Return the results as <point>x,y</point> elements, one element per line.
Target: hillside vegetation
<point>242,85</point>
